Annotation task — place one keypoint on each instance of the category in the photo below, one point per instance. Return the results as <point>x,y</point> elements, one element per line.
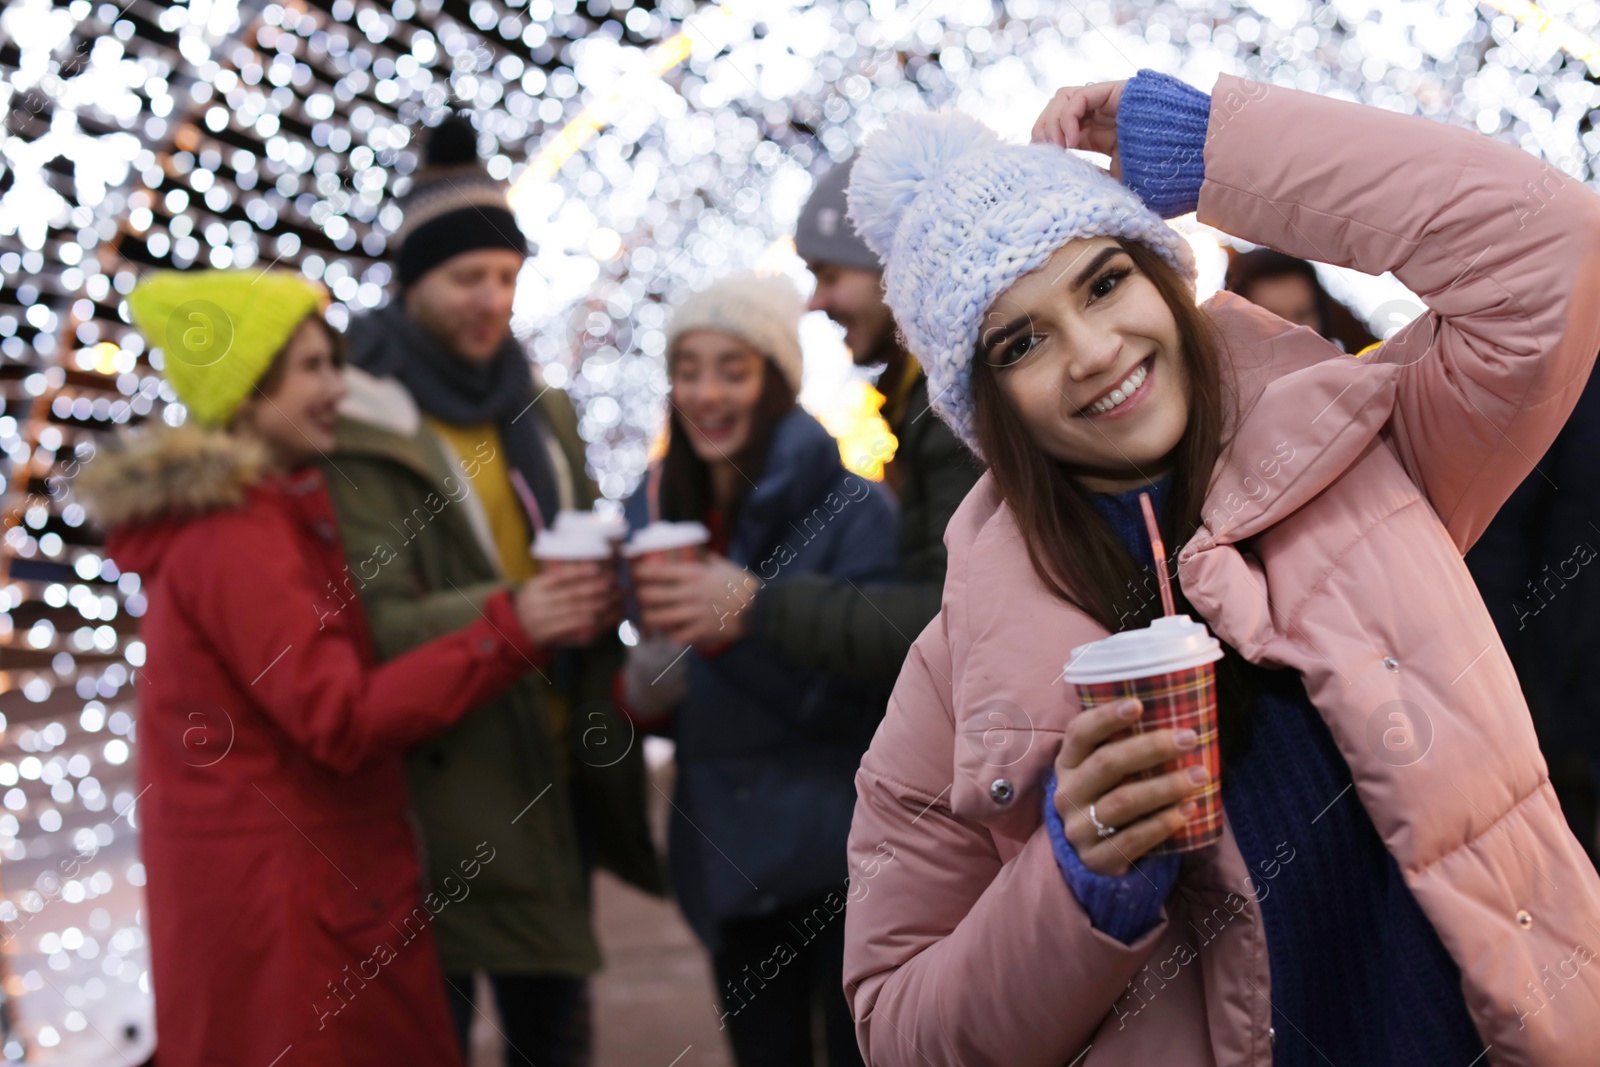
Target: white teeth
<point>1121,392</point>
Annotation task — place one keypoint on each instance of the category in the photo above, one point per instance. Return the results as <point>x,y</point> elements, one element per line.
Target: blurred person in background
<point>767,747</point>
<point>287,920</point>
<point>864,631</point>
<point>1534,566</point>
<point>450,454</point>
<point>1290,289</point>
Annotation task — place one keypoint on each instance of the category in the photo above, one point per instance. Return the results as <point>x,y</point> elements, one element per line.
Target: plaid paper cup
<point>1186,698</point>
<point>1170,667</point>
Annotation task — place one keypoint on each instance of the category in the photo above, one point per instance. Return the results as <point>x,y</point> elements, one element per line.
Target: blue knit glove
<point>1124,906</point>
<point>1161,141</point>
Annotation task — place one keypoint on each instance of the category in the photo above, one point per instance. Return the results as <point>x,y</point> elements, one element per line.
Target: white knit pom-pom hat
<point>763,310</point>
<point>957,216</point>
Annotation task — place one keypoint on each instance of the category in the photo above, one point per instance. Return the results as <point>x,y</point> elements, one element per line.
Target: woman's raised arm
<point>1502,248</point>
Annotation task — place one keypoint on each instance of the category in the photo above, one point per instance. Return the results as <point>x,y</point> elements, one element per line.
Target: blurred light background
<point>651,147</point>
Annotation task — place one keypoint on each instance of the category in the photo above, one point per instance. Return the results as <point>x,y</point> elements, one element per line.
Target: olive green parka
<point>421,560</point>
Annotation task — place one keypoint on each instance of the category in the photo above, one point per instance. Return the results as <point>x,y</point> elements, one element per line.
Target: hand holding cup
<point>1097,767</point>
<point>1148,701</point>
<point>695,602</point>
<point>569,605</point>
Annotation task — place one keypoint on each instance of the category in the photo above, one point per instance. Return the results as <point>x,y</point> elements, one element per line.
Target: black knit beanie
<point>453,206</point>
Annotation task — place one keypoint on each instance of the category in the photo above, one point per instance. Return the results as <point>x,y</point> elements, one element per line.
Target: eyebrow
<point>1095,264</point>
<point>1004,334</point>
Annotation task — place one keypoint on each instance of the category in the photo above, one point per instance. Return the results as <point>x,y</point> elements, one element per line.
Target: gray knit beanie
<point>824,233</point>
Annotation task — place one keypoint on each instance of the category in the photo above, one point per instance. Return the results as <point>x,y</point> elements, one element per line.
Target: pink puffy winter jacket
<point>965,945</point>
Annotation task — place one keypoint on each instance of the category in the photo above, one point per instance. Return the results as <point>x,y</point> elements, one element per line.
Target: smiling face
<point>716,381</point>
<point>1087,354</point>
<point>465,302</point>
<point>853,298</point>
<point>294,410</point>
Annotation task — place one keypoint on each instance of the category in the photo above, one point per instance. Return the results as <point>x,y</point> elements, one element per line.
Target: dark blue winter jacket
<point>1536,568</point>
<point>767,749</point>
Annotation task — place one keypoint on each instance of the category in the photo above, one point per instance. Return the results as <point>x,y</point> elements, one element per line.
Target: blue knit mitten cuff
<point>1161,140</point>
<point>1125,906</point>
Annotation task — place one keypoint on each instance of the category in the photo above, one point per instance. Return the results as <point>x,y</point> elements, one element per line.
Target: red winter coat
<point>286,919</point>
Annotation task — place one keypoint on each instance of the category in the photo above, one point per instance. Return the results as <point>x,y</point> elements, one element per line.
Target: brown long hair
<point>686,492</point>
<point>1073,549</point>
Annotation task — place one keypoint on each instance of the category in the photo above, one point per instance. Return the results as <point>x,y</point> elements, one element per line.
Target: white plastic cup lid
<point>611,527</point>
<point>665,536</point>
<point>1170,643</point>
<point>571,544</point>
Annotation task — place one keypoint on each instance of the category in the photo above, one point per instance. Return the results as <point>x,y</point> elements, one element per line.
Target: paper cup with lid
<point>1170,666</point>
<point>674,541</point>
<point>611,528</point>
<point>559,550</point>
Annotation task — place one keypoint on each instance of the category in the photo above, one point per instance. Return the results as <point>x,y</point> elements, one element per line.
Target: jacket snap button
<point>1392,663</point>
<point>1001,792</point>
<point>1525,920</point>
<point>486,646</point>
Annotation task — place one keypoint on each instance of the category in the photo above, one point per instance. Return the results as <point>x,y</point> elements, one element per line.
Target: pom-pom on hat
<point>219,330</point>
<point>453,206</point>
<point>958,215</point>
<point>762,310</point>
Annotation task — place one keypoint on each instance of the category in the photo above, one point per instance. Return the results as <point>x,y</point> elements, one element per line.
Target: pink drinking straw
<point>529,502</point>
<point>652,492</point>
<point>1160,551</point>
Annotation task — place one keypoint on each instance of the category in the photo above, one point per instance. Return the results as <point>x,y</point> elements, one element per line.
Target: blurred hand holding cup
<point>575,596</point>
<point>661,588</point>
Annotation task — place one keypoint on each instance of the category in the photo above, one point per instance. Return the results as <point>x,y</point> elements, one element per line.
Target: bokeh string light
<point>652,147</point>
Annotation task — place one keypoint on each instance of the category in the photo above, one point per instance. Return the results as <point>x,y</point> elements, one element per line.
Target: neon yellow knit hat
<point>218,330</point>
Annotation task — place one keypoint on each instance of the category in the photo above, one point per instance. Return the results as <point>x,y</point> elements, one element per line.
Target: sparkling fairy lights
<point>650,146</point>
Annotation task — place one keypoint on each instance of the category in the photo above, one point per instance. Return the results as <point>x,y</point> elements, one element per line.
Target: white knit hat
<point>957,216</point>
<point>762,310</point>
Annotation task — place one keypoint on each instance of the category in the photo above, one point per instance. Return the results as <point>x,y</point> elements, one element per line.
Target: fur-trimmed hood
<point>164,473</point>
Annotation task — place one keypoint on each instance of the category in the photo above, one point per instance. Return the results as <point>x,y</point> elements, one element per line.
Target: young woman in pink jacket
<point>1395,883</point>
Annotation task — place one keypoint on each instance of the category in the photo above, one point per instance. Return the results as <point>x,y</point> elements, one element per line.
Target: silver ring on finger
<point>1100,828</point>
